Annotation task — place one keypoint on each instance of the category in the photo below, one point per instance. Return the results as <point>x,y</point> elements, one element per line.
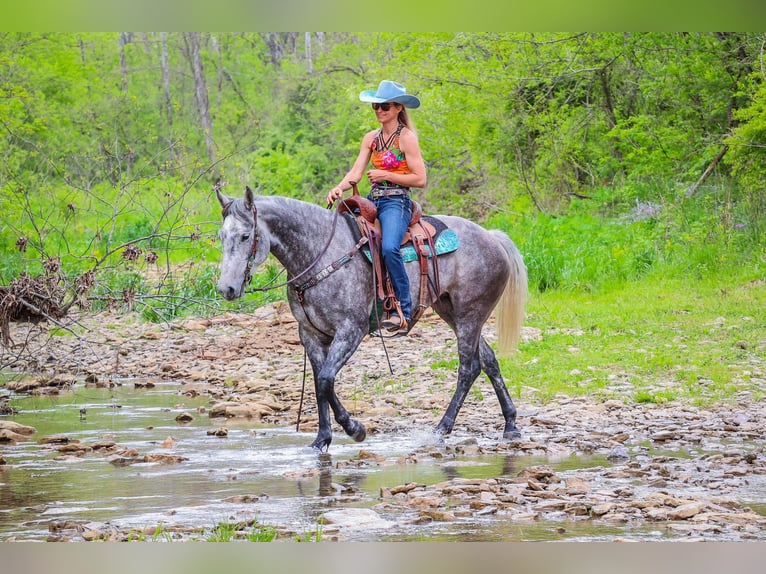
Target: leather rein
<point>248,275</point>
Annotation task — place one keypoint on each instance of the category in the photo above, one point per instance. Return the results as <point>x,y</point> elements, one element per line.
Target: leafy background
<point>608,157</point>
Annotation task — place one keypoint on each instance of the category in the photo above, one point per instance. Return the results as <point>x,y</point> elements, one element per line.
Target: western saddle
<point>420,232</point>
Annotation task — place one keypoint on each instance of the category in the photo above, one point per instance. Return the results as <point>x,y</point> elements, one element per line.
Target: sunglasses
<point>385,106</point>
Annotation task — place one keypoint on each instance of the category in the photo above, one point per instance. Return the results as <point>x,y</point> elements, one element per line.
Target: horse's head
<point>243,244</point>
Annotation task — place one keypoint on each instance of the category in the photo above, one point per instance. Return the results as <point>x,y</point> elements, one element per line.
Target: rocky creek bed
<point>679,471</point>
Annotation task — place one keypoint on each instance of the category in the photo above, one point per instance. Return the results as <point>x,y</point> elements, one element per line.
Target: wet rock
<point>370,456</point>
<point>354,518</point>
<point>575,485</point>
<point>426,502</point>
<point>618,453</point>
<point>685,511</point>
<point>17,427</point>
<point>184,418</point>
<point>242,499</point>
<point>164,458</point>
<point>663,436</point>
<point>601,509</point>
<point>73,447</point>
<point>405,487</point>
<point>437,515</point>
<point>221,432</point>
<point>8,436</point>
<point>53,439</point>
<point>233,409</point>
<point>544,421</point>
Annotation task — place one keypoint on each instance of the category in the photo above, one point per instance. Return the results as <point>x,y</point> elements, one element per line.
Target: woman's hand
<point>378,175</point>
<point>335,193</point>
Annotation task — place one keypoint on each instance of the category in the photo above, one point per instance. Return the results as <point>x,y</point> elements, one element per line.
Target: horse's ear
<point>249,197</point>
<point>224,200</point>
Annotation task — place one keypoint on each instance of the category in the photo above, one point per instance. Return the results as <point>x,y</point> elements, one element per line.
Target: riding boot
<point>396,321</point>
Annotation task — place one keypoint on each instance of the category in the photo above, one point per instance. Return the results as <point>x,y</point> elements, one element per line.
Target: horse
<point>485,273</point>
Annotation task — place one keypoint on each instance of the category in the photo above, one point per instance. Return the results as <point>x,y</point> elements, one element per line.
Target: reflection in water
<point>509,465</point>
<point>262,471</point>
<point>325,474</point>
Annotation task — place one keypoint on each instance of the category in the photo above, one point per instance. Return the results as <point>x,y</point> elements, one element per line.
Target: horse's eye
<point>245,236</point>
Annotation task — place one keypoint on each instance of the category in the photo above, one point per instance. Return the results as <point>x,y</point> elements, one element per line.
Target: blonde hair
<point>404,119</point>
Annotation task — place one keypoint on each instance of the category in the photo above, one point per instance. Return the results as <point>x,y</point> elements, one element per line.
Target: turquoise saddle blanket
<point>446,242</point>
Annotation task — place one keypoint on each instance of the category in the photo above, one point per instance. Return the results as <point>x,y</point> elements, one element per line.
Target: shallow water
<point>289,484</point>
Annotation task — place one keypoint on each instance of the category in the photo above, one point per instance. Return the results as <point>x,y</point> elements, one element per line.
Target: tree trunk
<point>693,189</point>
<point>200,92</point>
<point>123,41</point>
<point>166,85</point>
<point>307,40</point>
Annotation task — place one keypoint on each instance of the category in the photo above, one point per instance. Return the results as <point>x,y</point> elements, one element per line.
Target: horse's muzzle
<point>229,293</point>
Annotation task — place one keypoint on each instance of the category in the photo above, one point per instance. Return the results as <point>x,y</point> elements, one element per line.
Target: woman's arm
<point>357,170</point>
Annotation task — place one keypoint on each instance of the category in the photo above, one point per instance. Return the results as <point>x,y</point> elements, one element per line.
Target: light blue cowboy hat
<point>389,91</point>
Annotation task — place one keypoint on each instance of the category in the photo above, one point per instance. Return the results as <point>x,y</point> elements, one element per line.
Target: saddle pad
<point>446,242</point>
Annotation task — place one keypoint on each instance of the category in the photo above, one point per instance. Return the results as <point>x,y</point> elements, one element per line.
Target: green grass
<point>651,340</point>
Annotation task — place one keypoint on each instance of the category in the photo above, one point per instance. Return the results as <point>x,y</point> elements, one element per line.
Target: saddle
<point>419,231</point>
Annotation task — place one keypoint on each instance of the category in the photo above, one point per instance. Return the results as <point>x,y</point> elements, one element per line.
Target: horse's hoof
<point>321,444</point>
<point>359,434</point>
<point>514,434</point>
<point>442,431</point>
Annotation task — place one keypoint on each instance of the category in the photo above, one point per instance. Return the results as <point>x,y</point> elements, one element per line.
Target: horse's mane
<point>238,207</point>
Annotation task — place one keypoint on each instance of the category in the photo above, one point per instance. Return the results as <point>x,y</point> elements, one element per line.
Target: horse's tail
<point>509,313</point>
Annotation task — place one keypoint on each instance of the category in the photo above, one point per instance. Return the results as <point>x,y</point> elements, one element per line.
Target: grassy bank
<point>651,340</point>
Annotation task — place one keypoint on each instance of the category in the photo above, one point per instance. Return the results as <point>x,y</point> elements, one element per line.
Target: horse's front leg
<point>325,368</point>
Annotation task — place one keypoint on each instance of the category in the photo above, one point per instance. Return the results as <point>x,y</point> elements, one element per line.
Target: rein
<point>248,269</point>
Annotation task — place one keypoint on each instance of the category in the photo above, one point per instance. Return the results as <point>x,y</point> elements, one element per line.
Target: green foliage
<point>622,237</point>
<point>105,163</point>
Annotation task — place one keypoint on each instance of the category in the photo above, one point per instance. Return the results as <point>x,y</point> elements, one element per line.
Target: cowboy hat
<point>389,91</point>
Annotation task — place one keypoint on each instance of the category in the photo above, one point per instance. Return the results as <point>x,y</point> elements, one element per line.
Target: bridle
<point>253,248</point>
<point>248,275</point>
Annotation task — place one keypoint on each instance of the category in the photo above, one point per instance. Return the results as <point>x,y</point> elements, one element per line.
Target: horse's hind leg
<point>492,369</point>
<point>468,369</point>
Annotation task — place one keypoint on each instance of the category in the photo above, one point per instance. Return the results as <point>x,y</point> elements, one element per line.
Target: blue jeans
<point>394,213</point>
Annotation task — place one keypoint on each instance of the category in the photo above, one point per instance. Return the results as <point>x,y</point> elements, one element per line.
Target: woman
<point>397,165</point>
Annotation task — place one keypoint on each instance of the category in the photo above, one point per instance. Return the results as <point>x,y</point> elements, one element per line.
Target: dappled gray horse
<point>333,314</point>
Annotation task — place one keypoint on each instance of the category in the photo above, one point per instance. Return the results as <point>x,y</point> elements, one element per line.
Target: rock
<point>233,409</point>
<point>663,436</point>
<point>164,458</point>
<point>193,324</point>
<point>404,487</point>
<point>685,511</point>
<point>53,439</point>
<point>8,436</point>
<point>618,453</point>
<point>574,485</point>
<point>184,418</point>
<point>601,509</point>
<point>384,411</point>
<point>438,515</point>
<point>355,518</point>
<point>17,427</point>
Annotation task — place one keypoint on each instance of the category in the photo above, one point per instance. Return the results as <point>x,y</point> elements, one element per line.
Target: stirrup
<point>394,322</point>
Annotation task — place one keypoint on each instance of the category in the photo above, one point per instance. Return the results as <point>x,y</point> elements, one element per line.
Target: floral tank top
<point>387,155</point>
